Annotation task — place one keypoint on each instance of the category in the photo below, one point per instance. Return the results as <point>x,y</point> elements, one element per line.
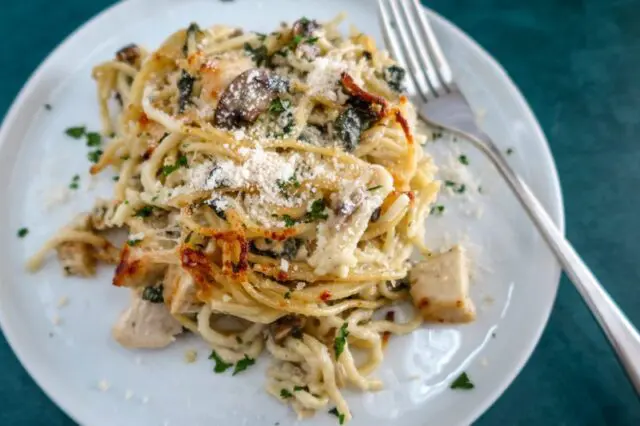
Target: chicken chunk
<point>440,288</point>
<point>180,291</point>
<point>145,325</point>
<point>137,269</point>
<point>77,259</point>
<point>80,258</point>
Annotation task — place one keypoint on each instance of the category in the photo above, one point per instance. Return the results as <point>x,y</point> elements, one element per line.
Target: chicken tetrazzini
<point>273,187</point>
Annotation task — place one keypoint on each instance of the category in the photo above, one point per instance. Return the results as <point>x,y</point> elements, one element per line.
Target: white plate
<point>68,360</point>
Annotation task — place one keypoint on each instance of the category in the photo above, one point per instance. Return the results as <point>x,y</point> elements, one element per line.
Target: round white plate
<point>68,349</point>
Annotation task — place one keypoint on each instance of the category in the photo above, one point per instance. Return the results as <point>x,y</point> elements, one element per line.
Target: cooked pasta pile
<point>273,187</point>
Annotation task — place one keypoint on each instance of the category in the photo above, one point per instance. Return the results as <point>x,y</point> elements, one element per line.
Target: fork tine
<point>415,67</point>
<point>442,66</point>
<point>426,62</point>
<point>392,43</point>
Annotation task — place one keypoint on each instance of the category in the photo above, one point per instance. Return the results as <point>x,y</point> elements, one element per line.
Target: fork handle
<point>622,335</point>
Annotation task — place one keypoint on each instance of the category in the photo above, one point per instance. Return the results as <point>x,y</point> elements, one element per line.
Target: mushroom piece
<point>304,27</point>
<point>290,325</point>
<point>248,96</point>
<point>129,54</point>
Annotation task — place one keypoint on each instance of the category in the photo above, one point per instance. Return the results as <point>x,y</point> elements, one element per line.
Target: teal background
<point>578,64</point>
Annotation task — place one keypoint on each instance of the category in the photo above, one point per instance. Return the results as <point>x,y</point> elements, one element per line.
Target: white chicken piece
<point>145,325</point>
<point>440,288</point>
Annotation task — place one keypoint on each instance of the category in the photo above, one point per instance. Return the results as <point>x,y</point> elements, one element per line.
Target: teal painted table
<point>578,64</point>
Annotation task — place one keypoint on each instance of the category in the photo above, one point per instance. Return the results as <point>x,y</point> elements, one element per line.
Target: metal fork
<point>412,42</point>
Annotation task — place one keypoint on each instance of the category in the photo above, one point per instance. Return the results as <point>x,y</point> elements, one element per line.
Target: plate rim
<point>76,412</point>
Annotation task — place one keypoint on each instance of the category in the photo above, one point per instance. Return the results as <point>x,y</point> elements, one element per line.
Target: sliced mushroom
<point>290,325</point>
<point>248,96</point>
<point>304,27</point>
<point>129,54</point>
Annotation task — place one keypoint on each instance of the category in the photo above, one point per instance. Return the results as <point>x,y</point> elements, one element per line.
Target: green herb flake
<point>180,162</point>
<point>463,159</point>
<point>287,295</point>
<point>301,388</point>
<point>316,212</point>
<point>288,221</point>
<point>132,243</point>
<point>338,414</point>
<point>94,156</point>
<point>296,41</point>
<point>259,54</point>
<point>284,394</point>
<point>115,178</point>
<point>221,365</point>
<point>311,40</point>
<point>243,364</point>
<point>340,340</point>
<point>48,107</point>
<point>437,210</point>
<point>460,189</point>
<point>462,382</point>
<point>145,211</point>
<point>153,294</point>
<point>94,139</point>
<point>75,182</point>
<point>373,188</point>
<point>22,232</point>
<point>261,36</point>
<point>76,132</point>
<point>509,151</point>
<point>279,106</point>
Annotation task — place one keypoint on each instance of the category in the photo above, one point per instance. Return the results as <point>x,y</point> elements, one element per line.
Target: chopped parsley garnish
<point>288,221</point>
<point>462,382</point>
<point>338,414</point>
<point>509,151</point>
<point>145,211</point>
<point>181,162</point>
<point>94,156</point>
<point>295,41</point>
<point>316,212</point>
<point>279,105</point>
<point>261,36</point>
<point>153,294</point>
<point>116,178</point>
<point>94,139</point>
<point>243,364</point>
<point>437,210</point>
<point>76,132</point>
<point>287,295</point>
<point>463,159</point>
<point>47,107</point>
<point>340,340</point>
<point>133,242</point>
<point>291,183</point>
<point>301,388</point>
<point>373,188</point>
<point>75,182</point>
<point>259,54</point>
<point>284,394</point>
<point>311,40</point>
<point>221,365</point>
<point>457,188</point>
<point>22,232</point>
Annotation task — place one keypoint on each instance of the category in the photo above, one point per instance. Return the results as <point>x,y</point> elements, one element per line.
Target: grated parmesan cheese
<point>284,265</point>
